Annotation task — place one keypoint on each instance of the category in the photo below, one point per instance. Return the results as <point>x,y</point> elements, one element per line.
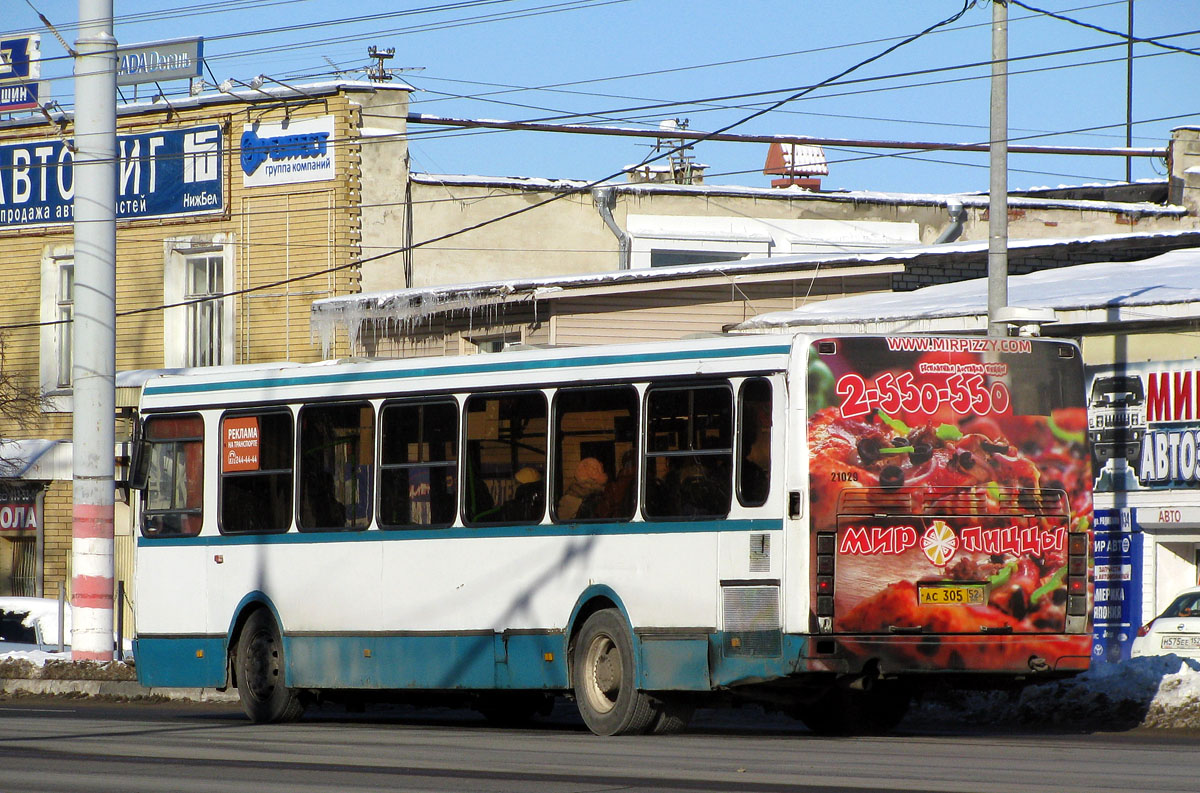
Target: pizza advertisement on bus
<point>952,475</point>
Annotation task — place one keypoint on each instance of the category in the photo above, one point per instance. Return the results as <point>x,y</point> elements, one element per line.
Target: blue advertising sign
<point>164,173</point>
<point>1116,615</point>
<point>19,71</point>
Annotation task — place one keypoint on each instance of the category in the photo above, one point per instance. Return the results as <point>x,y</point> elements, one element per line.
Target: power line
<point>1123,36</point>
<point>522,210</point>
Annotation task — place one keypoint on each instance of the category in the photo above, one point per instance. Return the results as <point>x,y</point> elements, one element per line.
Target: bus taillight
<point>1077,548</point>
<point>826,547</point>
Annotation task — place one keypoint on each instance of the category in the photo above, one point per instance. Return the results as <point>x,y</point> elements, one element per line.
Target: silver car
<point>1176,630</point>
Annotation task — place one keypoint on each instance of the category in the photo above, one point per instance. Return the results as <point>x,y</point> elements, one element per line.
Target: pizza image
<point>951,514</point>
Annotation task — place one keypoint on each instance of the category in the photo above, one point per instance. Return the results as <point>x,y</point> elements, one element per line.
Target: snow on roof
<point>136,378</point>
<point>1162,287</point>
<point>977,200</point>
<point>35,458</point>
<point>268,91</point>
<point>403,309</point>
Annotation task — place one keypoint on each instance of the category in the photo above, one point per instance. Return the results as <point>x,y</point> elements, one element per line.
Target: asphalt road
<point>49,745</point>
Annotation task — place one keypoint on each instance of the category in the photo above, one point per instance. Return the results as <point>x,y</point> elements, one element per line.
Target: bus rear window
<point>418,465</point>
<point>256,472</point>
<point>173,455</point>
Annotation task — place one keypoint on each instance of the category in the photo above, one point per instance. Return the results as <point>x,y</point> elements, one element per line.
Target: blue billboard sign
<point>19,71</point>
<point>1117,555</point>
<point>164,173</point>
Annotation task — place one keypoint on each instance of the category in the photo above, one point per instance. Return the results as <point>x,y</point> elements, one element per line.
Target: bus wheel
<point>604,675</point>
<point>674,715</point>
<point>260,670</point>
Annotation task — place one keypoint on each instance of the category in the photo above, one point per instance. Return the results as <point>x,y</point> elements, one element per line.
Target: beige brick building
<point>266,195</point>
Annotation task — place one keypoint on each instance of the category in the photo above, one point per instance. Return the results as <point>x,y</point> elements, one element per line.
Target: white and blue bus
<point>818,524</point>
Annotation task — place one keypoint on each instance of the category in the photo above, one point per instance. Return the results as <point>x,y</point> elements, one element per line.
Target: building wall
<point>559,232</point>
<point>1106,349</point>
<point>931,270</point>
<point>270,236</point>
<point>1184,164</point>
<point>566,235</point>
<point>652,313</point>
<point>676,314</point>
<point>383,153</point>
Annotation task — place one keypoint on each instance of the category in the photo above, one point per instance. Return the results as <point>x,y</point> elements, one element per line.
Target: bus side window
<point>256,472</point>
<point>505,459</point>
<point>173,458</point>
<point>418,464</point>
<point>754,442</point>
<point>595,447</point>
<point>689,452</point>
<point>337,462</point>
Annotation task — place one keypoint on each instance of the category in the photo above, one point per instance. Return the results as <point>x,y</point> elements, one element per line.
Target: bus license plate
<point>951,595</point>
<point>1181,643</point>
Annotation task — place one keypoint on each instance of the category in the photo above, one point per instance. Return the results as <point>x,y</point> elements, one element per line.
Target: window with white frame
<point>198,327</point>
<point>205,284</point>
<point>64,314</point>
<point>57,314</point>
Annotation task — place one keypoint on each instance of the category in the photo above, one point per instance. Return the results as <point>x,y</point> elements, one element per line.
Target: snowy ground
<point>1158,691</point>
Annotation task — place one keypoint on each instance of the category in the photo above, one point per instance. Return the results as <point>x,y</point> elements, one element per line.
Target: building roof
<point>1161,288</point>
<point>241,93</point>
<point>406,309</point>
<point>794,193</point>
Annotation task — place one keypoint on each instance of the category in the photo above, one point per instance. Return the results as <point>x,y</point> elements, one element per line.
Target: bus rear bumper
<point>1028,654</point>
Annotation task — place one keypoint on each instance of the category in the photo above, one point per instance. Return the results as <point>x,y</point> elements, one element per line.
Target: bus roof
<point>327,379</point>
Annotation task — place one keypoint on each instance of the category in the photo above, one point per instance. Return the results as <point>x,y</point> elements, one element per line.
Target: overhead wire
<point>496,220</point>
<point>420,135</point>
<point>552,8</point>
<point>358,262</point>
<point>1123,36</point>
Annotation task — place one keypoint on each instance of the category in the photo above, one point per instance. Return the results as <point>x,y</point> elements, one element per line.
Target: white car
<point>1176,630</point>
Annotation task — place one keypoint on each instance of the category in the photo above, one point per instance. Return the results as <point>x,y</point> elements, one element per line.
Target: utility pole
<point>998,165</point>
<point>1129,93</point>
<point>94,340</point>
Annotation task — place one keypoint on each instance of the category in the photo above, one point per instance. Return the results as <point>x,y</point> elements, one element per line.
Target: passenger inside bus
<point>582,497</point>
<point>617,500</point>
<point>528,500</point>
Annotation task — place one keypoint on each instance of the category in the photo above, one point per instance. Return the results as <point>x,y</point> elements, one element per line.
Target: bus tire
<point>260,673</point>
<point>604,678</point>
<point>673,716</point>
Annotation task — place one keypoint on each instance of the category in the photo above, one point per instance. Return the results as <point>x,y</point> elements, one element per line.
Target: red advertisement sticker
<point>239,444</point>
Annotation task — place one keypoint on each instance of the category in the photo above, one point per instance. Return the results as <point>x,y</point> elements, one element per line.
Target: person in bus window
<point>617,499</point>
<point>528,499</point>
<point>583,495</point>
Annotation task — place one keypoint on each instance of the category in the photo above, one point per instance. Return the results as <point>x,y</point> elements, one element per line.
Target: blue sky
<point>604,61</point>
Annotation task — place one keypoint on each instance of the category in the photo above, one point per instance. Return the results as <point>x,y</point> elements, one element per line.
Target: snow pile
<point>1157,691</point>
<point>34,657</point>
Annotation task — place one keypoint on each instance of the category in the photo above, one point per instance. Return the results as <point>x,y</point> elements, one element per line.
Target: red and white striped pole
<point>94,333</point>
